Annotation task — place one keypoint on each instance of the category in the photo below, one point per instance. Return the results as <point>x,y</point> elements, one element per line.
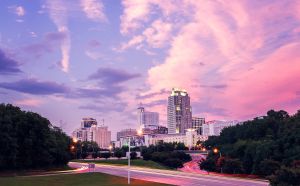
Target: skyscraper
<point>147,119</point>
<point>88,122</point>
<point>197,123</point>
<point>179,112</point>
<point>89,131</point>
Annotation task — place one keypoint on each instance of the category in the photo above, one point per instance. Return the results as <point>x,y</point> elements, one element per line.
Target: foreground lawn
<point>88,179</point>
<point>136,162</point>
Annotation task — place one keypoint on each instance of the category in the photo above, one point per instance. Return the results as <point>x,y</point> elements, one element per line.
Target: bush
<point>133,155</point>
<point>173,162</point>
<point>232,166</point>
<point>105,155</point>
<point>95,155</point>
<point>285,176</point>
<point>181,155</point>
<point>208,165</point>
<point>147,156</point>
<point>268,167</point>
<point>118,153</point>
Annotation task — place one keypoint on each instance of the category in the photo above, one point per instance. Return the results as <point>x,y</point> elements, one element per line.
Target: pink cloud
<point>29,102</point>
<point>238,45</point>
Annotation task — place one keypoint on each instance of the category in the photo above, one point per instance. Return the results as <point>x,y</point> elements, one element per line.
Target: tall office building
<point>88,122</point>
<point>197,123</point>
<point>147,119</point>
<point>126,132</point>
<point>179,114</point>
<point>89,131</point>
<point>215,127</point>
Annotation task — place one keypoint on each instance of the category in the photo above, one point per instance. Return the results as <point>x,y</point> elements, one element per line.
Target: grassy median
<point>85,179</point>
<point>123,162</point>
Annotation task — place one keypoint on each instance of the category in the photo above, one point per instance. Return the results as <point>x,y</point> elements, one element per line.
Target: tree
<point>118,153</point>
<point>105,155</point>
<point>173,163</point>
<point>232,166</point>
<point>95,155</point>
<point>268,167</point>
<point>29,141</point>
<point>285,176</point>
<point>208,165</point>
<point>133,155</point>
<point>180,146</point>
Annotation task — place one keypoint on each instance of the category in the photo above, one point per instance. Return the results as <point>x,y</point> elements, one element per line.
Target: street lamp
<point>215,150</point>
<point>129,160</point>
<point>139,132</point>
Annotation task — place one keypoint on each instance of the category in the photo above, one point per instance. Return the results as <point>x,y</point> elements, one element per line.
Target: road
<point>172,177</point>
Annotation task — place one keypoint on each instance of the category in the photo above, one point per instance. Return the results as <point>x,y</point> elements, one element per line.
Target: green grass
<point>34,171</point>
<point>88,179</point>
<point>136,162</point>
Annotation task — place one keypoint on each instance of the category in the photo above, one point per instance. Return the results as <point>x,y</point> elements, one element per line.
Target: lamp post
<point>215,150</point>
<point>139,132</point>
<point>129,160</point>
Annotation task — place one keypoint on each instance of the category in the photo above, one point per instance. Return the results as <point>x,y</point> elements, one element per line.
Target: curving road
<point>171,177</point>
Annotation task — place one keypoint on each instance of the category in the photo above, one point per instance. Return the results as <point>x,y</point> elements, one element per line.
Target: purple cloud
<point>157,102</point>
<point>47,45</point>
<point>36,87</point>
<point>150,95</point>
<point>109,76</point>
<point>111,91</point>
<point>218,86</point>
<point>94,43</point>
<point>104,107</point>
<point>55,36</point>
<point>8,65</point>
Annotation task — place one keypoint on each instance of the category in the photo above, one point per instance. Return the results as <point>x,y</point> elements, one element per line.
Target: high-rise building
<point>89,131</point>
<point>88,122</point>
<point>101,135</point>
<point>126,132</point>
<point>197,123</point>
<point>179,114</point>
<point>215,127</point>
<point>147,119</point>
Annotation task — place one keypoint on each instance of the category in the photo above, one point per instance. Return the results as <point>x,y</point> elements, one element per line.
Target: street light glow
<point>216,150</point>
<point>75,140</point>
<point>140,132</point>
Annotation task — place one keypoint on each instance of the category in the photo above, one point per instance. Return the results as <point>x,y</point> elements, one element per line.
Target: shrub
<point>105,155</point>
<point>285,176</point>
<point>232,166</point>
<point>133,155</point>
<point>208,165</point>
<point>118,153</point>
<point>147,156</point>
<point>173,162</point>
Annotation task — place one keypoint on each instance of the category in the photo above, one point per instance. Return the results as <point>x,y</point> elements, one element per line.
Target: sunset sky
<point>77,58</point>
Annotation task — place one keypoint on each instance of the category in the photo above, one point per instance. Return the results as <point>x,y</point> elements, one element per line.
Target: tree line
<point>29,141</point>
<point>168,154</point>
<point>267,146</point>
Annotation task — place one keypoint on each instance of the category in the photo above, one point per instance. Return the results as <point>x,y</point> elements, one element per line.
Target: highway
<point>171,177</point>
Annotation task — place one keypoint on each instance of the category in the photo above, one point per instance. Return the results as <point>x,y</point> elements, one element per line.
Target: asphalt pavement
<point>171,177</point>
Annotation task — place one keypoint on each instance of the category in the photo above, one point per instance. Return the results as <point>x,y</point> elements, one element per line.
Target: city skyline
<point>87,58</point>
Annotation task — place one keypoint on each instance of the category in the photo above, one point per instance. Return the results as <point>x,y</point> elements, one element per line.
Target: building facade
<point>147,119</point>
<point>214,128</point>
<point>88,122</point>
<point>89,131</point>
<point>197,124</point>
<point>179,116</point>
<point>126,132</point>
<point>189,139</point>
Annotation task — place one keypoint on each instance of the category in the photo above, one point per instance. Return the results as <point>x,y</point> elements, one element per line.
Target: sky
<point>100,58</point>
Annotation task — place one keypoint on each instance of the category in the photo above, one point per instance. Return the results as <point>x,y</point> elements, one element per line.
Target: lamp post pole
<point>129,161</point>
